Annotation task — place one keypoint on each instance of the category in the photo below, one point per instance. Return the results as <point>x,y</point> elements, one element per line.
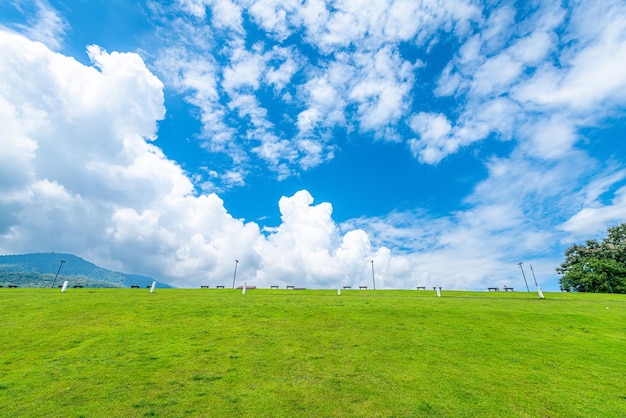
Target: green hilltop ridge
<point>39,270</point>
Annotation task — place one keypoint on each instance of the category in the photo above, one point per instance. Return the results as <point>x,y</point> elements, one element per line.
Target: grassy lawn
<point>280,353</point>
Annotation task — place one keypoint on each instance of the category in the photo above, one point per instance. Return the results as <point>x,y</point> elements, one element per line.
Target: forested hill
<point>39,270</point>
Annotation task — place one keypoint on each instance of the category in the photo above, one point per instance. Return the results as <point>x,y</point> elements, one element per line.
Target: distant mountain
<point>40,269</point>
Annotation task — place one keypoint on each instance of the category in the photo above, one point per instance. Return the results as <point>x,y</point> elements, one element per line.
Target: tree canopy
<point>596,266</point>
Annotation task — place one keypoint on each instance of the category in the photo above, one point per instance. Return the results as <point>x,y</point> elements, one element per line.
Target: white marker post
<point>539,292</point>
<point>64,288</point>
<point>338,290</point>
<point>153,286</point>
<point>243,291</point>
<point>438,290</point>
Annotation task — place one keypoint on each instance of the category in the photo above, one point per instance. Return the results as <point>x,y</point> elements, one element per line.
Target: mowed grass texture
<point>285,353</point>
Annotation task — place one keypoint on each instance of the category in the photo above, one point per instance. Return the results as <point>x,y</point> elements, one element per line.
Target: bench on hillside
<point>204,287</point>
<point>274,287</point>
<point>290,287</point>
<point>362,287</point>
<point>347,287</point>
<point>421,287</point>
<point>508,289</point>
<point>219,287</point>
<point>12,286</point>
<point>493,289</point>
<point>77,286</point>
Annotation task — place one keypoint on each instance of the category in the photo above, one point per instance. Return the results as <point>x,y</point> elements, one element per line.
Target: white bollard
<point>243,291</point>
<point>438,290</point>
<point>153,286</point>
<point>64,288</point>
<point>539,292</point>
<point>338,290</point>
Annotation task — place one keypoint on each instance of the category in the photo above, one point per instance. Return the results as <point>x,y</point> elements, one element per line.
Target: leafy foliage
<point>596,266</point>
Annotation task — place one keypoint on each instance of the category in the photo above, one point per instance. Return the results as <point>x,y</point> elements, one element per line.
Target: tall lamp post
<point>534,278</point>
<point>57,275</point>
<point>373,278</point>
<point>524,275</point>
<point>235,275</point>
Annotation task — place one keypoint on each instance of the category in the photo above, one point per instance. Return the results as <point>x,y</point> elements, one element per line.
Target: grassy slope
<point>284,353</point>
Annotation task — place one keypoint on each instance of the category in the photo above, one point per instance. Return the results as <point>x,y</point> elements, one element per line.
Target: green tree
<point>596,266</point>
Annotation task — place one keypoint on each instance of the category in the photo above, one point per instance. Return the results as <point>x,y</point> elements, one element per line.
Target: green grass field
<point>285,353</point>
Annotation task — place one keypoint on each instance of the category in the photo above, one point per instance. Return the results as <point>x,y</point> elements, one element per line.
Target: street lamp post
<point>534,278</point>
<point>373,278</point>
<point>235,275</point>
<point>57,275</point>
<point>524,275</point>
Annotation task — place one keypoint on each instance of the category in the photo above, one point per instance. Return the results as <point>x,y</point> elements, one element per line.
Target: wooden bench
<point>508,289</point>
<point>494,289</point>
<point>347,287</point>
<point>274,287</point>
<point>362,287</point>
<point>421,287</point>
<point>77,286</point>
<point>12,286</point>
<point>219,287</point>
<point>204,287</point>
<point>135,286</point>
<point>290,287</point>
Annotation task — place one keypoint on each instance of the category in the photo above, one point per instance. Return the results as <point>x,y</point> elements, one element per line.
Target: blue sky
<point>446,141</point>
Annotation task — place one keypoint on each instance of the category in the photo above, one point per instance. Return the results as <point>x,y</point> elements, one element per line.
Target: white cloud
<point>509,75</point>
<point>381,89</point>
<point>45,25</point>
<point>551,139</point>
<point>308,247</point>
<point>496,75</point>
<point>513,65</point>
<point>434,131</point>
<point>271,15</point>
<point>244,70</point>
<point>283,63</point>
<point>227,14</point>
<point>370,76</point>
<point>591,221</point>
